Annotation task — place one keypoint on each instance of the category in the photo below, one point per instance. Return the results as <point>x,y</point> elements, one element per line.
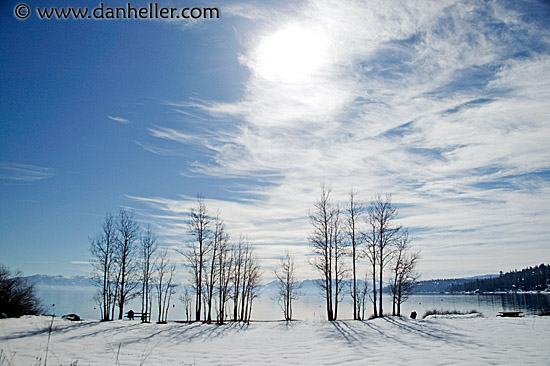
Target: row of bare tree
<point>221,270</point>
<point>225,275</point>
<point>347,234</point>
<point>127,263</point>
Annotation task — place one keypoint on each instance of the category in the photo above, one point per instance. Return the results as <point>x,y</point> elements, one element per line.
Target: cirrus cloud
<point>444,104</point>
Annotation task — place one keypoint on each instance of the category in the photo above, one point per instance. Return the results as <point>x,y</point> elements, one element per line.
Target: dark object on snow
<point>72,317</point>
<point>3,316</point>
<point>510,314</point>
<point>413,315</point>
<point>145,317</point>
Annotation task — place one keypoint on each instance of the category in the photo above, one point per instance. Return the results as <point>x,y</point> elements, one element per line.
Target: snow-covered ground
<point>444,340</point>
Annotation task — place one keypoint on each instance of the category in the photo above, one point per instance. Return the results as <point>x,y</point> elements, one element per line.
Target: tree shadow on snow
<point>400,331</point>
<point>202,331</point>
<point>434,331</point>
<point>59,326</point>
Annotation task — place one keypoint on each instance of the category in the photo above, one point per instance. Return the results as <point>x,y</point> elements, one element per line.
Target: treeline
<point>345,235</point>
<point>128,262</point>
<point>438,285</point>
<point>529,279</point>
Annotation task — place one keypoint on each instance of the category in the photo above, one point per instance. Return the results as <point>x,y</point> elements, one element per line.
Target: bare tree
<point>353,213</point>
<point>398,262</point>
<point>404,275</point>
<point>383,235</point>
<point>186,298</point>
<point>128,234</point>
<point>371,252</point>
<point>218,237</point>
<point>102,248</point>
<point>252,277</point>
<point>170,290</point>
<point>321,243</point>
<point>287,283</point>
<point>362,298</point>
<point>328,247</point>
<point>148,249</point>
<point>237,275</point>
<point>340,252</point>
<point>165,285</point>
<point>115,283</point>
<point>245,280</point>
<point>225,266</point>
<point>199,228</point>
<point>408,278</point>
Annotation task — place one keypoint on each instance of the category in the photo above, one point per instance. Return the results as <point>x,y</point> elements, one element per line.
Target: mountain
<point>308,287</point>
<point>60,281</point>
<point>311,287</point>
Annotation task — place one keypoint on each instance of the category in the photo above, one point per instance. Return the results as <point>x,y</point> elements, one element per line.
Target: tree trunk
<point>354,279</point>
<point>380,279</point>
<point>374,291</point>
<point>336,284</point>
<point>105,315</point>
<point>199,287</point>
<point>210,293</point>
<point>122,295</point>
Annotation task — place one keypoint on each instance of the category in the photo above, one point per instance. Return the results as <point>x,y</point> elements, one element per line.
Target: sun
<point>291,54</point>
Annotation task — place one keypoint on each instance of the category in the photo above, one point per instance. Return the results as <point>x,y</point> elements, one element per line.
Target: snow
<point>436,340</point>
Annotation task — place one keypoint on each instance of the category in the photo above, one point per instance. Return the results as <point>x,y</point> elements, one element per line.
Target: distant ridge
<point>308,287</point>
<point>60,281</point>
<point>443,285</point>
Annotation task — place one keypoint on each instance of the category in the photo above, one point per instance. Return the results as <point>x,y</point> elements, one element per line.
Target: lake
<point>310,307</point>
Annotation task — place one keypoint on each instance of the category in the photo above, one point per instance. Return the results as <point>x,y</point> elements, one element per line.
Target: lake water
<point>310,307</point>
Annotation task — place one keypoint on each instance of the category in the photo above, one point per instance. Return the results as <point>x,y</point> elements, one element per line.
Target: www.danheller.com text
<point>152,10</point>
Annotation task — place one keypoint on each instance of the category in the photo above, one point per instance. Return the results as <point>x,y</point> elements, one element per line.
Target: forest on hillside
<point>529,279</point>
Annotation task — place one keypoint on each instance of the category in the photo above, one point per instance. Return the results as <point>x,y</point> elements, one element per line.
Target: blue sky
<point>444,104</point>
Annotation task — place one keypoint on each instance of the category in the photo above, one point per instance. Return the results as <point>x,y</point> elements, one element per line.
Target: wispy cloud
<point>444,104</point>
<point>121,120</point>
<point>158,150</point>
<point>24,173</point>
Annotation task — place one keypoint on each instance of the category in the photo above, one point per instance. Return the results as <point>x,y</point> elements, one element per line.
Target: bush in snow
<point>17,297</point>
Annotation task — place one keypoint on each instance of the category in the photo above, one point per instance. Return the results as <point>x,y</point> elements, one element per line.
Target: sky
<point>442,104</point>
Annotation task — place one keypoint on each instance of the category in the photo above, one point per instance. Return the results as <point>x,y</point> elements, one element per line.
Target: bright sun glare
<point>291,54</point>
